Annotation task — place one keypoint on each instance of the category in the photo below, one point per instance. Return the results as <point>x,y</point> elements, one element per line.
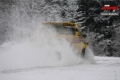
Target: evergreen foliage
<point>103,27</point>
<point>103,32</point>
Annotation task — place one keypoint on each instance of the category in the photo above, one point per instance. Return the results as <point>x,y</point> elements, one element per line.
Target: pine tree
<point>90,21</point>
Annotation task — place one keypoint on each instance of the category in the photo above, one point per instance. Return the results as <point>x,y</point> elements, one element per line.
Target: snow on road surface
<point>105,68</point>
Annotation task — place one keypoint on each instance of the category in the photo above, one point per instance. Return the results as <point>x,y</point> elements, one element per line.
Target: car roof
<point>67,24</point>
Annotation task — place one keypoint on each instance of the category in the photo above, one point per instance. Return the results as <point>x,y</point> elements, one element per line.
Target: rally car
<point>69,31</point>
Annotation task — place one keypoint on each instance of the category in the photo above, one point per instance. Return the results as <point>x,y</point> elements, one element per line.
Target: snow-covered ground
<point>105,68</point>
<point>26,47</point>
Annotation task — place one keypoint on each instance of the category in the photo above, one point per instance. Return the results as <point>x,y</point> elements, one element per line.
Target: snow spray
<point>27,46</point>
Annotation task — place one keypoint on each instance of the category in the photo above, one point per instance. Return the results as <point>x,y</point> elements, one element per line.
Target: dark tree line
<point>104,27</point>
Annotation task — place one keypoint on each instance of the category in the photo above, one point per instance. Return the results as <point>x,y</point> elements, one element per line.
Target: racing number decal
<point>76,40</point>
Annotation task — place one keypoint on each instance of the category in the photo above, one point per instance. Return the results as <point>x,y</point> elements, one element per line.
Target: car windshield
<point>64,30</point>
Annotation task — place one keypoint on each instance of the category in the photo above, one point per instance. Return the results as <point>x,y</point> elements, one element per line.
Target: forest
<point>102,32</point>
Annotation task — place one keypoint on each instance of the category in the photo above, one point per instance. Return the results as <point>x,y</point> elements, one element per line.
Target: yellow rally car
<point>69,31</point>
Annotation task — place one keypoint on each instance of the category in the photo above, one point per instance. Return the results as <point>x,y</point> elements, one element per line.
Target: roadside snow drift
<point>106,68</point>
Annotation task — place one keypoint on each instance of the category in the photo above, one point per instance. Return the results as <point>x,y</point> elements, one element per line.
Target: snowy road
<point>104,69</point>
